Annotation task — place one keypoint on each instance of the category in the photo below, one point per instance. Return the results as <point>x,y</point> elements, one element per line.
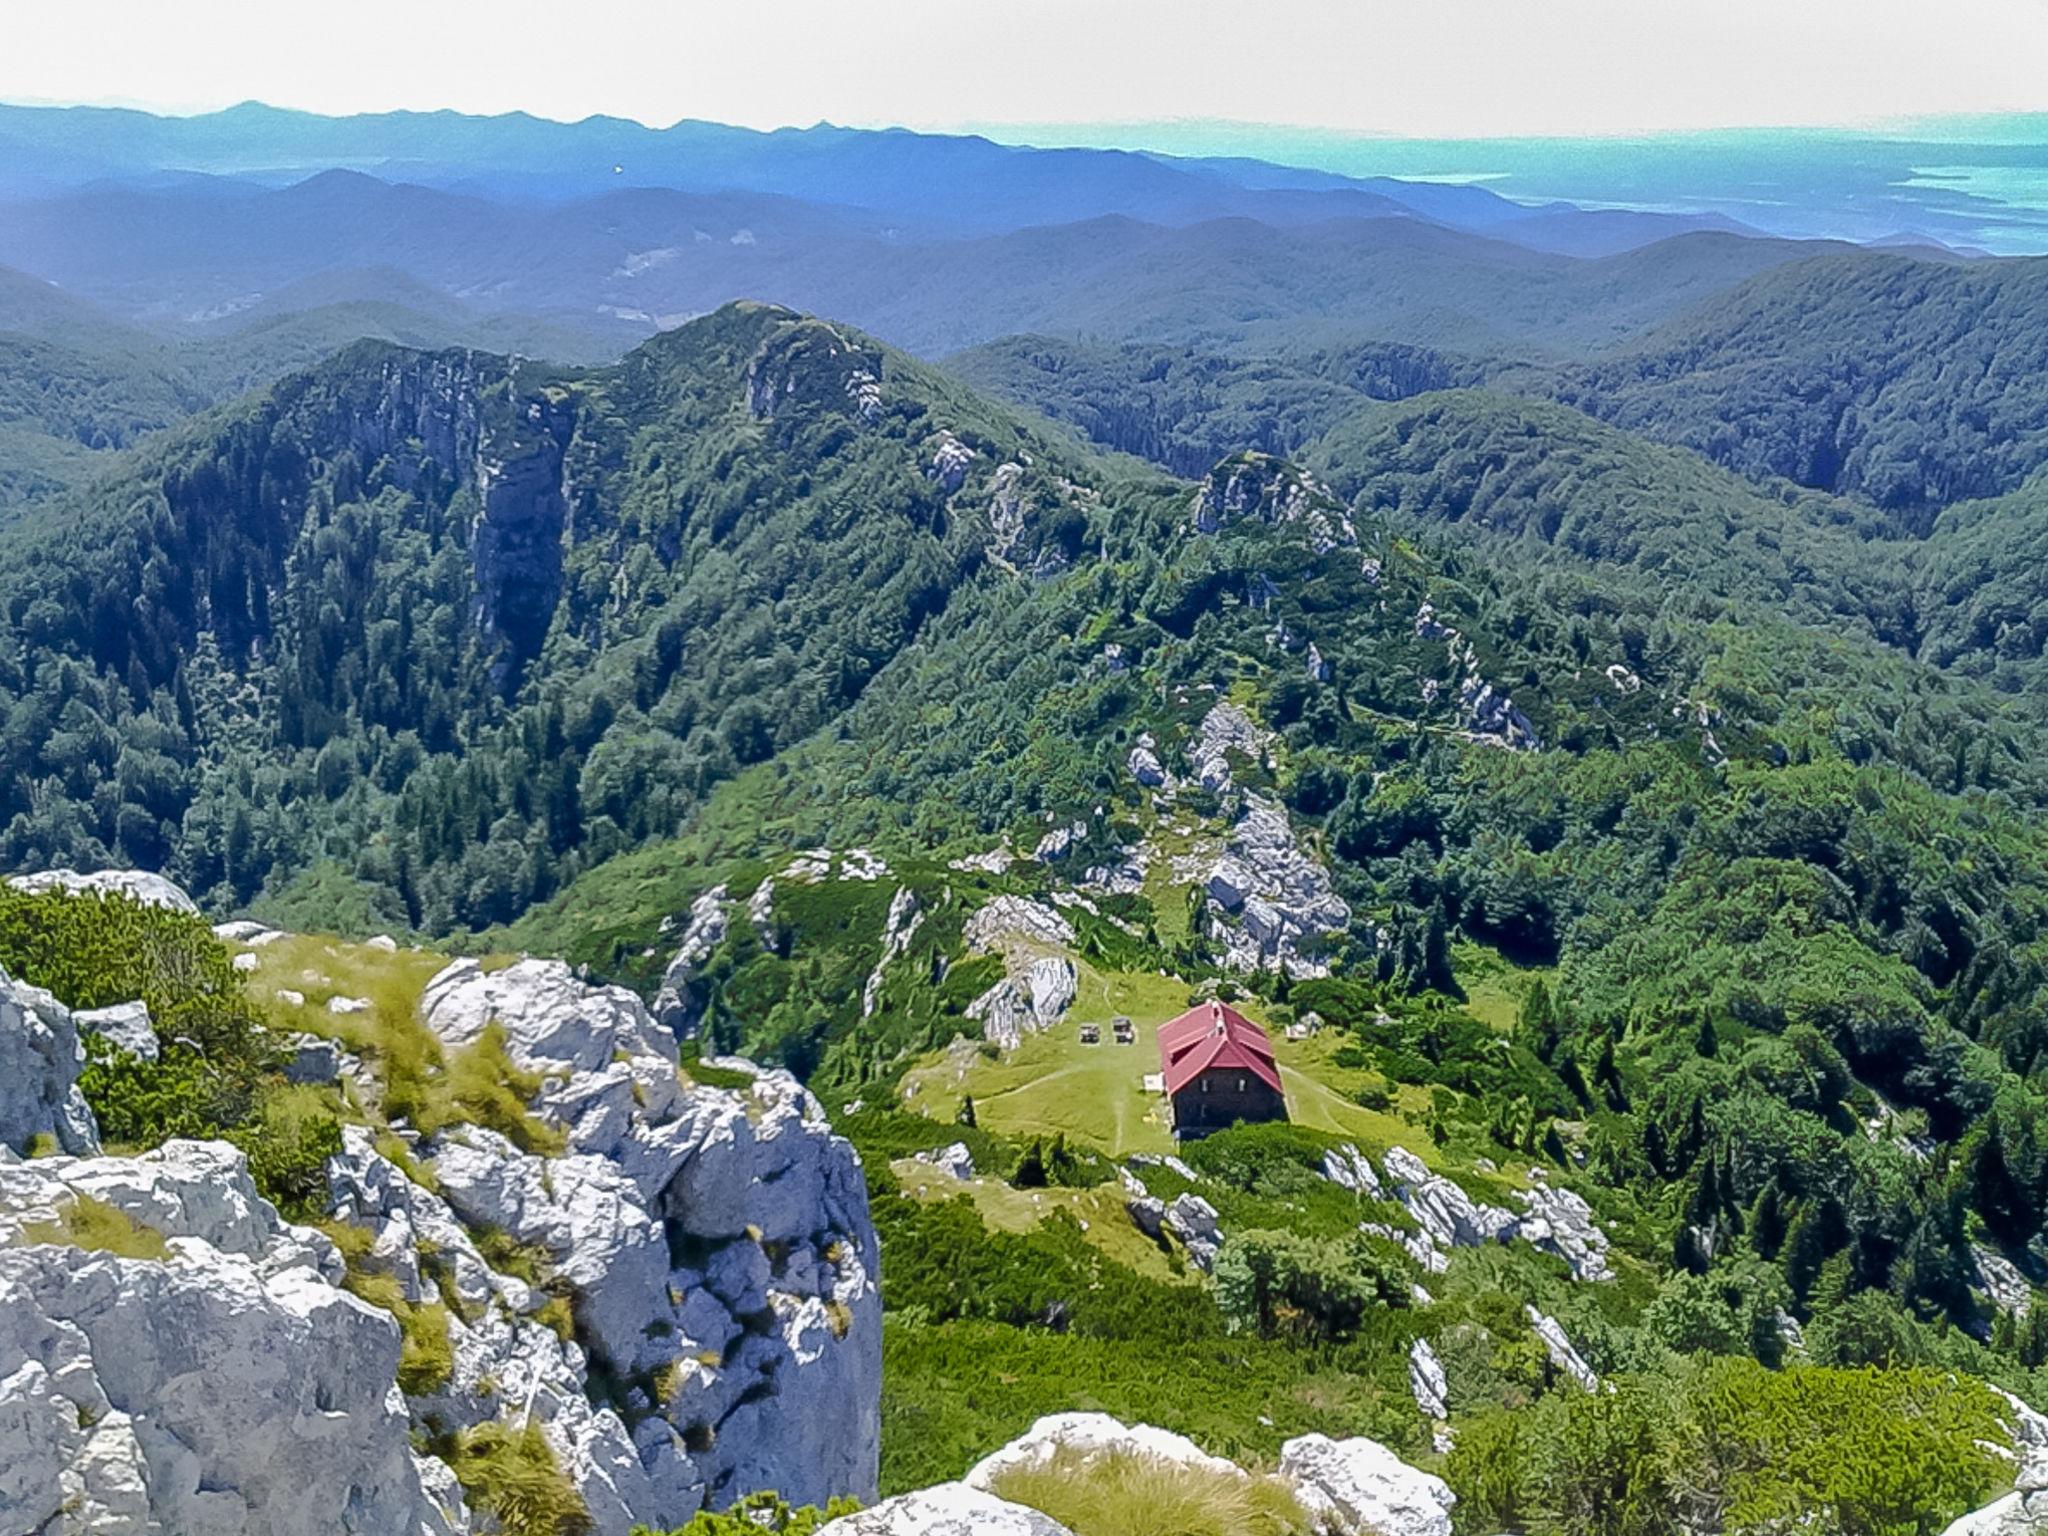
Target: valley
<point>633,853</point>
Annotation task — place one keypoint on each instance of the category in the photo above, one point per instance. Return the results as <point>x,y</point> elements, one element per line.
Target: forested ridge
<point>1747,773</point>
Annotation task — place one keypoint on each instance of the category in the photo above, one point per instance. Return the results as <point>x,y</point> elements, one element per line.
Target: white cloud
<point>1412,67</point>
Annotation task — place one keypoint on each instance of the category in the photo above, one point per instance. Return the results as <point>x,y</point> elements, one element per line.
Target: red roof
<point>1215,1036</point>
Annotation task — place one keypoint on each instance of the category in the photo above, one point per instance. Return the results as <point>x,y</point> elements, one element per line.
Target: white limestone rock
<point>676,1005</point>
<point>552,1021</point>
<point>217,1400</point>
<point>950,1509</point>
<point>1089,1435</point>
<point>1145,766</point>
<point>905,917</point>
<point>766,1333</point>
<point>954,1161</point>
<point>1558,1345</point>
<point>40,1058</point>
<point>1560,1222</point>
<point>197,1190</point>
<point>152,890</point>
<point>1006,922</point>
<point>1193,1220</point>
<point>1271,905</point>
<point>126,1025</point>
<point>1349,1168</point>
<point>1033,1000</point>
<point>1427,1381</point>
<point>1360,1488</point>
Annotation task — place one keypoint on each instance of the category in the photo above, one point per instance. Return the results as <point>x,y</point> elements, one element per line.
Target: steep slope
<point>1184,408</point>
<point>499,619</point>
<point>1545,476</point>
<point>1910,383</point>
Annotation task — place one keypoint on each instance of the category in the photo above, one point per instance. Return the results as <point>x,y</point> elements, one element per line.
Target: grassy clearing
<point>1053,1085</point>
<point>1494,985</point>
<point>1129,1495</point>
<point>99,1227</point>
<point>1002,1208</point>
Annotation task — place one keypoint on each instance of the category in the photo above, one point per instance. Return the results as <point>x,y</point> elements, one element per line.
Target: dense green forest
<point>1744,776</point>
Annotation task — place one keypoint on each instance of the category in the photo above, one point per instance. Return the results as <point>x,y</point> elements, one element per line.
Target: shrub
<point>1254,1156</point>
<point>1273,1283</point>
<point>1130,1495</point>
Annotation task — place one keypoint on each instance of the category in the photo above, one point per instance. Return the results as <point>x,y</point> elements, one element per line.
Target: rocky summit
<point>674,1285</point>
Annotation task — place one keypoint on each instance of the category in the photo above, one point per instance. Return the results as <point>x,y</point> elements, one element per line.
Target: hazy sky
<point>1414,67</point>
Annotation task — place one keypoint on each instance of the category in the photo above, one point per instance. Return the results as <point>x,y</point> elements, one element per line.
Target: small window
<point>1240,1085</point>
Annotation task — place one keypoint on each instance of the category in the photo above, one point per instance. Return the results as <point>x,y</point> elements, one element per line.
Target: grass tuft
<point>99,1227</point>
<point>1132,1495</point>
<point>512,1476</point>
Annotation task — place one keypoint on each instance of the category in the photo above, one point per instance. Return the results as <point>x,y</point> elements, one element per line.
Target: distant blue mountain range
<point>1967,182</point>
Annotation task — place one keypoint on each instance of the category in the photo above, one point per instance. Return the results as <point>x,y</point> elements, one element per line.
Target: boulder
<point>1089,1435</point>
<point>1145,766</point>
<point>311,1059</point>
<point>40,1058</point>
<point>950,1509</point>
<point>955,1161</point>
<point>1360,1488</point>
<point>152,890</point>
<point>125,1025</point>
<point>1147,1213</point>
<point>1193,1220</point>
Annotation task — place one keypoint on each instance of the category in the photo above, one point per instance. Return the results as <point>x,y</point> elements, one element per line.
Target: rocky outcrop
<point>2023,1512</point>
<point>1034,999</point>
<point>151,890</point>
<point>677,1004</point>
<point>1257,485</point>
<point>1559,1222</point>
<point>1349,1168</point>
<point>1360,1488</point>
<point>1224,730</point>
<point>1556,1221</point>
<point>808,363</point>
<point>714,1245</point>
<point>515,543</point>
<point>950,1509</point>
<point>1193,1220</point>
<point>1089,1436</point>
<point>228,1386</point>
<point>1009,922</point>
<point>125,1025</point>
<point>1145,766</point>
<point>955,1161</point>
<point>905,917</point>
<point>1427,1383</point>
<point>1272,907</point>
<point>40,1058</point>
<point>1558,1345</point>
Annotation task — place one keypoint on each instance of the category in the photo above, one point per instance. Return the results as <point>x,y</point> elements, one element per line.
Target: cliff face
<point>675,1284</point>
